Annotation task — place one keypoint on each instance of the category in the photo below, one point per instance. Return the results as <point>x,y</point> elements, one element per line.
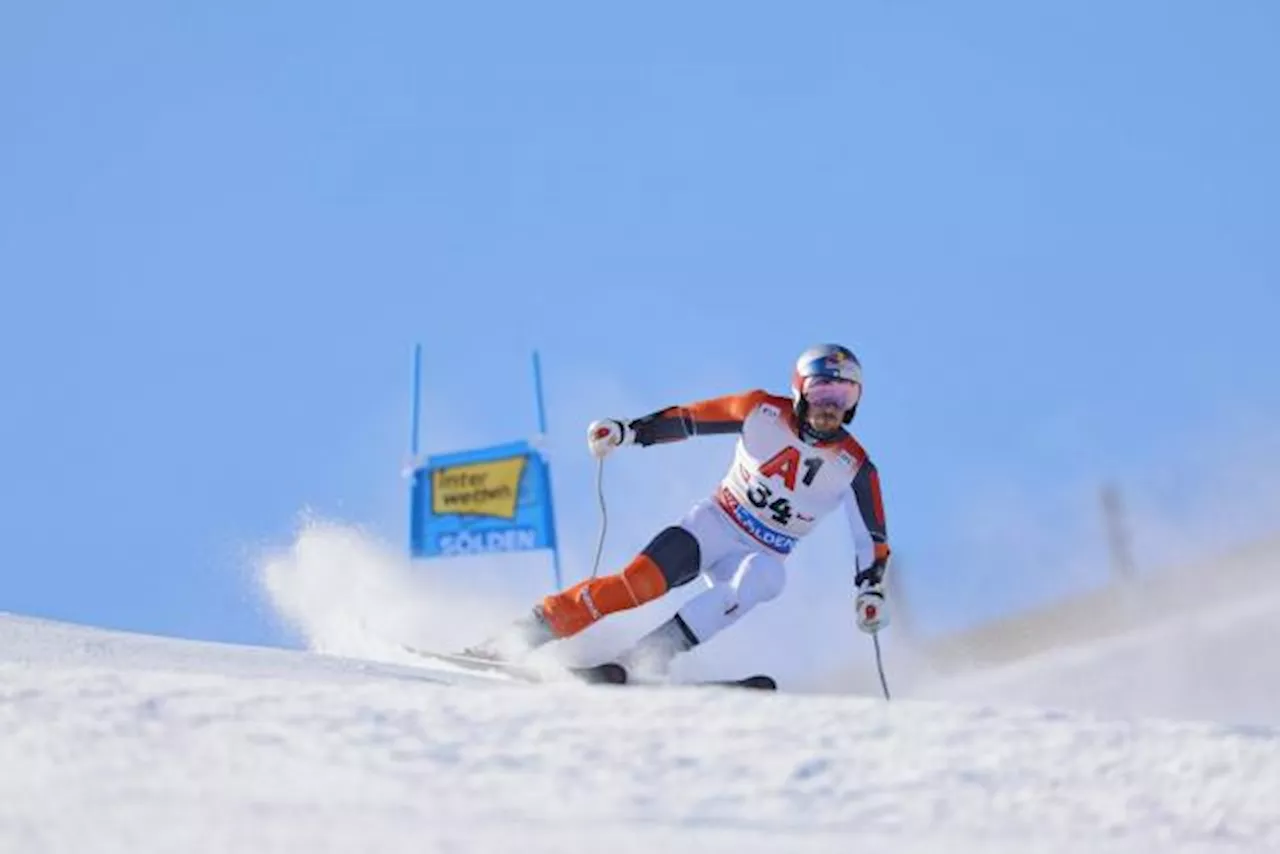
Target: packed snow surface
<point>130,743</point>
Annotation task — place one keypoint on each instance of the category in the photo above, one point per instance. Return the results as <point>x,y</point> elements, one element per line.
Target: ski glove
<point>872,575</point>
<point>606,434</point>
<point>870,602</point>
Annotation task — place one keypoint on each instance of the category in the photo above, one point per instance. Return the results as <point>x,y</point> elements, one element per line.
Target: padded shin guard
<point>671,559</point>
<point>572,610</point>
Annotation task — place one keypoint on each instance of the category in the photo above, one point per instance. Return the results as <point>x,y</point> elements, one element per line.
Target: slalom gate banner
<point>482,501</point>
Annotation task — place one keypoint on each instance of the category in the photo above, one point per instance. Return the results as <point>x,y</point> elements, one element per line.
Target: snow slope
<point>1218,663</point>
<point>116,742</point>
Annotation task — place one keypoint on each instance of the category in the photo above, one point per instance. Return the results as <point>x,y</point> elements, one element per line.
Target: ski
<point>759,682</point>
<point>615,674</point>
<point>477,663</point>
<point>604,674</point>
<point>601,674</point>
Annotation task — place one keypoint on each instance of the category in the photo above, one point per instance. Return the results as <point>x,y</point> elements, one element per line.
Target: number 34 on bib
<point>787,465</point>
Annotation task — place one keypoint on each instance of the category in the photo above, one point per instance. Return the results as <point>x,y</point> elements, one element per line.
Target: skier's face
<point>825,417</point>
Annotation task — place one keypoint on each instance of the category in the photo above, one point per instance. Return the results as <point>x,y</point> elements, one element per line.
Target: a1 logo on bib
<point>787,463</point>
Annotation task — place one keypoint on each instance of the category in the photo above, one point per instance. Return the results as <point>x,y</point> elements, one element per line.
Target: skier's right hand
<point>606,434</point>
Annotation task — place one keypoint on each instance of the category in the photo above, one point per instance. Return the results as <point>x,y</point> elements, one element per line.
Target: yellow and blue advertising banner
<point>495,499</point>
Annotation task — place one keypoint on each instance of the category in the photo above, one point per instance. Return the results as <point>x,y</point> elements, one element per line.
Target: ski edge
<point>476,663</point>
<point>603,674</point>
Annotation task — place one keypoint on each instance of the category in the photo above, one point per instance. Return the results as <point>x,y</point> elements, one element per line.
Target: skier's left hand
<point>872,616</point>
<point>872,576</point>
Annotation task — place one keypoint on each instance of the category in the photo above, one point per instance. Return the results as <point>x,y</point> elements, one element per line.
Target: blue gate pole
<point>415,490</point>
<point>416,407</point>
<point>546,469</point>
<point>537,390</point>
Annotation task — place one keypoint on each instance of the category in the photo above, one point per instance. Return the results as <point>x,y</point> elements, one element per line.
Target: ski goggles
<point>829,391</point>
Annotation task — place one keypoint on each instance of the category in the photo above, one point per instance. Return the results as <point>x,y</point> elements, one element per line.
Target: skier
<point>794,463</point>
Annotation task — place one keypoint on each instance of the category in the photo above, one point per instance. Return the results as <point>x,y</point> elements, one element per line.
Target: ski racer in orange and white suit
<point>793,464</point>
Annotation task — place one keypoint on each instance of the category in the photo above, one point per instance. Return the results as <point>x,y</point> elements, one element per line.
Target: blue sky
<point>1048,229</point>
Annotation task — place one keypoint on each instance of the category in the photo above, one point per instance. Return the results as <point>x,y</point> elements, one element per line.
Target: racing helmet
<point>827,372</point>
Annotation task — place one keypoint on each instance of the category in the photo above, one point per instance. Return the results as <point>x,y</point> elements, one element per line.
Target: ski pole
<point>604,516</point>
<point>875,639</point>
